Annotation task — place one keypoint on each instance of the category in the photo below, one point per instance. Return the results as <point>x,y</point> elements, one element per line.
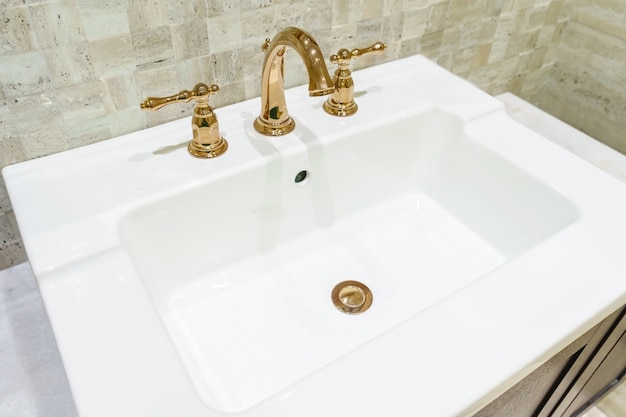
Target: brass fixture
<point>352,297</point>
<point>274,120</point>
<point>341,102</point>
<point>207,141</point>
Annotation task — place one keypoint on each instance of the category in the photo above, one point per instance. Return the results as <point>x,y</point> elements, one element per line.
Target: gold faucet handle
<point>341,101</point>
<point>200,93</point>
<point>207,141</point>
<point>344,56</point>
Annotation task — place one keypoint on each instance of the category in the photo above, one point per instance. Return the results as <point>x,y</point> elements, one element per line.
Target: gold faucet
<point>341,102</point>
<point>274,120</point>
<point>207,141</point>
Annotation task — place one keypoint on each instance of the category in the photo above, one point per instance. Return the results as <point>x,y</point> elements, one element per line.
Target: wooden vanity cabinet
<point>573,380</point>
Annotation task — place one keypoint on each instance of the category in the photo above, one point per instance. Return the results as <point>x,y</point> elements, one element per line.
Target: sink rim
<point>598,254</point>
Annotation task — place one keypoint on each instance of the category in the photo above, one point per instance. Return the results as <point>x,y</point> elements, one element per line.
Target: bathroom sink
<point>414,218</point>
<point>194,287</point>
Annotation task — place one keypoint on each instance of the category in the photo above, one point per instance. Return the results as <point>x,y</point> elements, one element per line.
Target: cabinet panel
<point>558,402</point>
<point>607,377</point>
<point>573,380</point>
<point>524,398</point>
<point>598,381</point>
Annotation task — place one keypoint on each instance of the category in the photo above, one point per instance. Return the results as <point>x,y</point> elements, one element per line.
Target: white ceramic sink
<point>202,287</point>
<point>250,260</point>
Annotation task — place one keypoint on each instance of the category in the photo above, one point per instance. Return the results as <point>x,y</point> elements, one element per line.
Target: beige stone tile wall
<point>72,72</point>
<point>586,87</point>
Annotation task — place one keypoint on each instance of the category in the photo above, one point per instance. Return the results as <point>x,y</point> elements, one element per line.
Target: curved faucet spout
<point>274,118</point>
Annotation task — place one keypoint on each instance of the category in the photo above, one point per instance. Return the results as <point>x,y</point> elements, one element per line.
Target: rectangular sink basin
<point>199,288</point>
<point>251,259</point>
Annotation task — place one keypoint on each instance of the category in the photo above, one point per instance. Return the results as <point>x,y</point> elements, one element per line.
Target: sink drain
<point>352,297</point>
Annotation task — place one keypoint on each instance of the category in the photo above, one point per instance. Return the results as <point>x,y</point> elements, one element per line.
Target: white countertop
<point>32,398</point>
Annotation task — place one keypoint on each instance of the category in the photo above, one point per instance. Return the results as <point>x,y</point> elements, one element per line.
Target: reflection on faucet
<point>274,120</point>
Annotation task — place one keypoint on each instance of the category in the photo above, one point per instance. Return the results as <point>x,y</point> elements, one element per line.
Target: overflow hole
<point>301,176</point>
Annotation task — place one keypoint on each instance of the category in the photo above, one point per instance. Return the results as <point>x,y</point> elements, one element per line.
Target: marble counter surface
<point>33,381</point>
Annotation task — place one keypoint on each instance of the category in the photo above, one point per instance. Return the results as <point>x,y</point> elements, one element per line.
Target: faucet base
<point>274,129</point>
<point>212,150</point>
<point>336,108</point>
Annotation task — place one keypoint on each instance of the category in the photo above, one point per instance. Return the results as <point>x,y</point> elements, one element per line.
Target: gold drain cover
<point>352,297</point>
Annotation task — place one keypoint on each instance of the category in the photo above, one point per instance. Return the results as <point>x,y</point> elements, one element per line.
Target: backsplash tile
<point>590,93</point>
<point>84,65</point>
<point>56,23</point>
<point>16,33</point>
